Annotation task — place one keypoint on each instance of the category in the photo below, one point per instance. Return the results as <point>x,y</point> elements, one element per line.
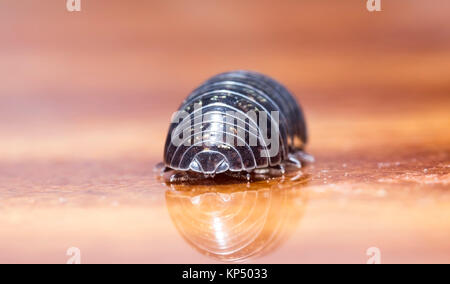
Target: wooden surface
<point>86,100</point>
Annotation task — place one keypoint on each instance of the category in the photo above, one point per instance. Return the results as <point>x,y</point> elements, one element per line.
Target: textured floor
<point>86,100</point>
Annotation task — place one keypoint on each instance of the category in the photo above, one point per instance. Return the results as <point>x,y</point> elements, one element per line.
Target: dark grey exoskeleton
<point>237,122</point>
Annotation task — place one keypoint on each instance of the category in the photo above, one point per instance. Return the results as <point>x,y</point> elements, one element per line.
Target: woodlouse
<point>223,127</point>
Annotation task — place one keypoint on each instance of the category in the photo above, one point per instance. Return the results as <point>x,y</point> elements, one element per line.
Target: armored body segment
<point>236,122</point>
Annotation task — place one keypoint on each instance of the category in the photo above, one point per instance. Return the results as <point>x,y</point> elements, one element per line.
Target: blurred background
<point>86,98</point>
<point>103,82</point>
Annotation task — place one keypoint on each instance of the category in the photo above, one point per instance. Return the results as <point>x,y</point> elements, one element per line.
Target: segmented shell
<point>224,100</point>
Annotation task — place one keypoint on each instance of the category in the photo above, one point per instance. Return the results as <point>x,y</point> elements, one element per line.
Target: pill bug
<point>223,127</point>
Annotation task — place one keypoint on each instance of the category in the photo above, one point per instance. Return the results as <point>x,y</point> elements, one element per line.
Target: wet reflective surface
<point>116,212</point>
<point>239,222</point>
<point>85,101</point>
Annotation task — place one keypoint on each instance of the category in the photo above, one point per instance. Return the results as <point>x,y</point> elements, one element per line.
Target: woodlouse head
<point>209,162</point>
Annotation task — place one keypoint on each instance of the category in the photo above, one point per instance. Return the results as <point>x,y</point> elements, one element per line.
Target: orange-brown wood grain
<point>86,99</point>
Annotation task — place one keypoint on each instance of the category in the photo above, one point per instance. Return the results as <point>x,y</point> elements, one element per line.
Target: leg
<point>160,168</point>
<point>299,158</point>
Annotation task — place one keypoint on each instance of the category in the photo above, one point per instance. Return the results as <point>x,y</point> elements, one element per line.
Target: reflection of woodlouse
<point>224,101</point>
<point>254,219</point>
